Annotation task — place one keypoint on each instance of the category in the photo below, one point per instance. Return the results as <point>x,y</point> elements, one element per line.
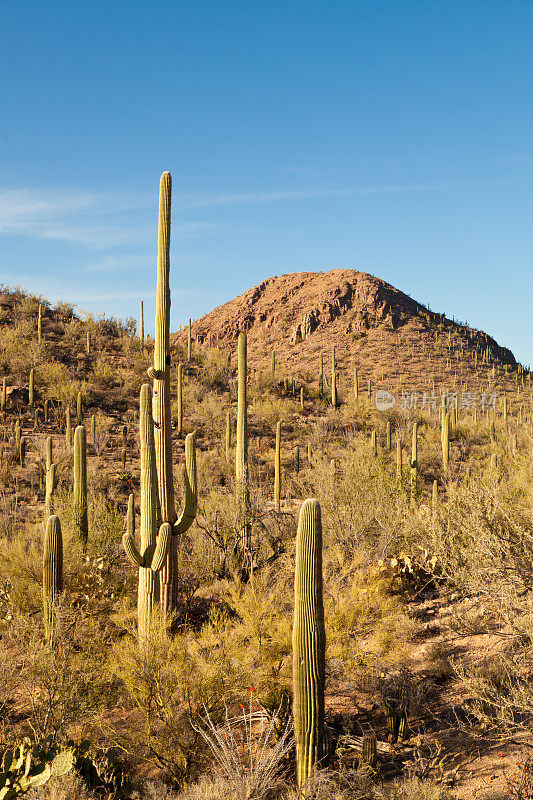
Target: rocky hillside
<point>392,339</point>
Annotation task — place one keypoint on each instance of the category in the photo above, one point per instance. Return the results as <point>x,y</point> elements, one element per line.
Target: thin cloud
<point>248,198</point>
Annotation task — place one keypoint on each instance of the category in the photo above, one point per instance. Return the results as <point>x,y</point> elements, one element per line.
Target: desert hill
<point>391,338</point>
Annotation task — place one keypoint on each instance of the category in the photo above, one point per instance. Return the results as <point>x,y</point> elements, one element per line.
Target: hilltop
<point>373,326</point>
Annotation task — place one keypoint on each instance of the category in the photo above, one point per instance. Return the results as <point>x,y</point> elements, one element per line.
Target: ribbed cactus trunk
<point>31,390</point>
<point>40,324</point>
<point>141,328</point>
<point>308,644</point>
<point>160,373</point>
<point>242,486</point>
<point>189,341</point>
<point>46,411</point>
<point>50,487</point>
<point>180,400</point>
<point>302,405</point>
<point>154,546</point>
<point>81,520</point>
<point>277,468</point>
<point>79,409</point>
<point>88,343</point>
<point>355,384</point>
<point>52,573</point>
<point>388,437</point>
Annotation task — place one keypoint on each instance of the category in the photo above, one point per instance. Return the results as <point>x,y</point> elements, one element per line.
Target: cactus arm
<point>161,548</point>
<point>188,514</point>
<point>132,551</point>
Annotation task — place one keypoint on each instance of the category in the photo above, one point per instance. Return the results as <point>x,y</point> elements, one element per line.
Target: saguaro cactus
<point>399,468</point>
<point>50,488</point>
<point>241,450</point>
<point>81,521</point>
<point>308,644</point>
<point>79,409</point>
<point>189,332</point>
<point>141,328</point>
<point>160,373</point>
<point>388,438</point>
<point>277,468</point>
<point>355,384</point>
<point>52,572</point>
<point>40,324</point>
<point>150,557</point>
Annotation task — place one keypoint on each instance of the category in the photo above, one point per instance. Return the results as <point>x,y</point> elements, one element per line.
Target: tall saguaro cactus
<point>80,484</point>
<point>308,644</point>
<point>31,390</point>
<point>149,558</point>
<point>160,373</point>
<point>141,328</point>
<point>445,439</point>
<point>414,460</point>
<point>52,572</point>
<point>242,487</point>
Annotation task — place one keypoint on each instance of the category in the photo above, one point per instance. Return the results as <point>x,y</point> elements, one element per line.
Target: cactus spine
<point>277,468</point>
<point>31,392</point>
<point>308,644</point>
<point>151,555</point>
<point>52,572</point>
<point>81,522</point>
<point>180,399</point>
<point>160,373</point>
<point>241,449</point>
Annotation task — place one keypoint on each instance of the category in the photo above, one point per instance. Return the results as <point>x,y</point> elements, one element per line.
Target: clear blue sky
<point>393,137</point>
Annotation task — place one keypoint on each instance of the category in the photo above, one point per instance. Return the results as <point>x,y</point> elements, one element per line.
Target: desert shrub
<point>104,373</point>
<point>164,686</point>
<point>61,687</point>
